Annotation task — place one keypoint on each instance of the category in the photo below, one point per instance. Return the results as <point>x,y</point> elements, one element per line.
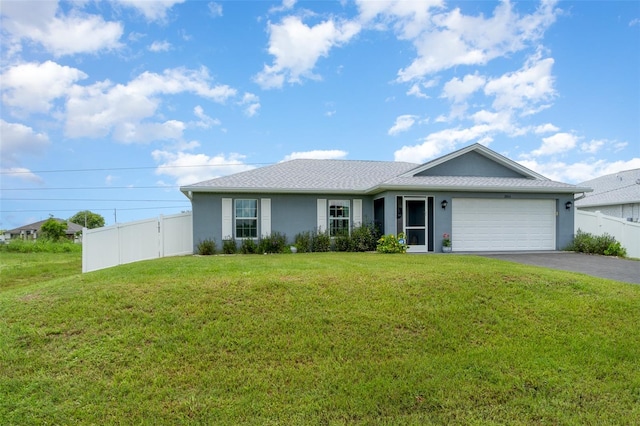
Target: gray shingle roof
<point>72,228</point>
<point>309,176</point>
<point>345,176</point>
<point>616,188</point>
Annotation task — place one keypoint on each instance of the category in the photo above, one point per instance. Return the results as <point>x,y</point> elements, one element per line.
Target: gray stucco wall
<point>292,214</point>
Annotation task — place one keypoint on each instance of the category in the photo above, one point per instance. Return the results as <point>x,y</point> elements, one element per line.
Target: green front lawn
<point>331,338</point>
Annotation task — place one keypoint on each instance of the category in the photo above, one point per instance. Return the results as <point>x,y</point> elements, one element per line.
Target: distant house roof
<point>72,228</point>
<point>371,177</point>
<point>616,188</point>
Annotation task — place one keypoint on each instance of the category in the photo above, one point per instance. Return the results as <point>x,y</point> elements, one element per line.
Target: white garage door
<point>503,224</point>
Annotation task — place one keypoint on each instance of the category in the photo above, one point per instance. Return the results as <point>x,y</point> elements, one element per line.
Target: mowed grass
<point>329,338</point>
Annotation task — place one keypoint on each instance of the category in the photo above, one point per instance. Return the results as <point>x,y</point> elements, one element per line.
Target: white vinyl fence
<point>627,233</point>
<point>134,241</point>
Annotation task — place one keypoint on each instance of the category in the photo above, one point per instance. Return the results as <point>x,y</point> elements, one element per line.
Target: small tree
<point>88,219</point>
<point>53,230</point>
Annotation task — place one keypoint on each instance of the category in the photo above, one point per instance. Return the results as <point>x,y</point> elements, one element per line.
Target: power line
<point>91,200</point>
<point>106,169</point>
<point>100,209</point>
<point>86,188</point>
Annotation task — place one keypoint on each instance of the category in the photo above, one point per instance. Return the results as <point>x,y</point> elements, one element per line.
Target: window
<point>338,217</point>
<point>246,218</point>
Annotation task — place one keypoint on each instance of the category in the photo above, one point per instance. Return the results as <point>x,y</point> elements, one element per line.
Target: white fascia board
<point>273,191</point>
<point>445,188</point>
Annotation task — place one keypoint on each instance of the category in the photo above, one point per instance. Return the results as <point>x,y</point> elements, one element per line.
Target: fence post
<point>161,236</point>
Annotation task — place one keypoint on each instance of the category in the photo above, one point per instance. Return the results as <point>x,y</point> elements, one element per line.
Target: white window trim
<point>348,218</point>
<point>235,218</point>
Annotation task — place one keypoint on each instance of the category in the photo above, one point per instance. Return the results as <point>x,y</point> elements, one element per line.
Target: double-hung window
<point>339,217</point>
<point>246,218</point>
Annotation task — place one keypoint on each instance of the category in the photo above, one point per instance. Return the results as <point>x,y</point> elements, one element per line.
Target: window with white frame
<point>339,217</point>
<point>246,218</point>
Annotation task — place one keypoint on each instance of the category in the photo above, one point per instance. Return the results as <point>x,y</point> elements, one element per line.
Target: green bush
<point>248,246</point>
<point>364,238</point>
<point>229,246</point>
<point>320,242</point>
<point>41,246</point>
<point>391,244</point>
<point>302,242</point>
<point>604,244</point>
<point>274,243</point>
<point>342,243</point>
<point>615,249</point>
<point>207,247</point>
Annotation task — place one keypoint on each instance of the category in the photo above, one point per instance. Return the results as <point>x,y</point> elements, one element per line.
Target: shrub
<point>320,242</point>
<point>40,246</point>
<point>229,246</point>
<point>207,247</point>
<point>342,243</point>
<point>605,244</point>
<point>274,243</point>
<point>303,242</point>
<point>248,246</point>
<point>616,249</point>
<point>364,238</point>
<point>391,244</point>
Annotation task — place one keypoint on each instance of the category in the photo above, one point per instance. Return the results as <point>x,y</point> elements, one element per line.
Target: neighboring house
<point>32,231</point>
<point>616,195</point>
<point>484,200</point>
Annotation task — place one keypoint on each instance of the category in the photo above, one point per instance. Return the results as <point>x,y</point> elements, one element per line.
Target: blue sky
<point>111,106</point>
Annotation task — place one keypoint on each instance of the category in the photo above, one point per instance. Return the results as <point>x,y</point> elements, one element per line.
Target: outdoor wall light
<point>444,204</point>
<point>568,205</point>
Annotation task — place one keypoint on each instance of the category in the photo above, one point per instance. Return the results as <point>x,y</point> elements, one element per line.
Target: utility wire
<point>106,169</point>
<point>92,200</point>
<point>91,188</point>
<point>100,209</point>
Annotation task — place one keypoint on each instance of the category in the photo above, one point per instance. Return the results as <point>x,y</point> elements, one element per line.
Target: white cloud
<point>556,144</point>
<point>124,110</point>
<point>76,32</point>
<point>524,89</point>
<point>22,174</point>
<point>215,9</point>
<point>439,142</point>
<point>152,10</point>
<point>251,103</point>
<point>408,18</point>
<point>448,39</point>
<point>634,22</point>
<point>32,87</point>
<point>205,121</point>
<point>402,124</point>
<point>580,171</point>
<point>594,146</point>
<point>188,168</point>
<point>457,90</point>
<point>297,47</point>
<point>160,46</point>
<point>546,128</point>
<point>19,141</point>
<point>331,154</point>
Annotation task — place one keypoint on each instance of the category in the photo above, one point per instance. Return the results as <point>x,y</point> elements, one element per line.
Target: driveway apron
<point>598,266</point>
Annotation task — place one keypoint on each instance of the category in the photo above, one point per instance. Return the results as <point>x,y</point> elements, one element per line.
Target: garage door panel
<point>503,224</point>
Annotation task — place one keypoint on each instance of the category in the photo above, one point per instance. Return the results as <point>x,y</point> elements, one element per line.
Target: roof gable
<point>474,161</point>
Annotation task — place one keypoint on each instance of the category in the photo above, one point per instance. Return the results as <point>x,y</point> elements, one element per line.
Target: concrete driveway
<point>597,266</point>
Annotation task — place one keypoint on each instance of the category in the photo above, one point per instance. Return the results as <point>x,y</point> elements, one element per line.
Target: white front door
<point>415,224</point>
